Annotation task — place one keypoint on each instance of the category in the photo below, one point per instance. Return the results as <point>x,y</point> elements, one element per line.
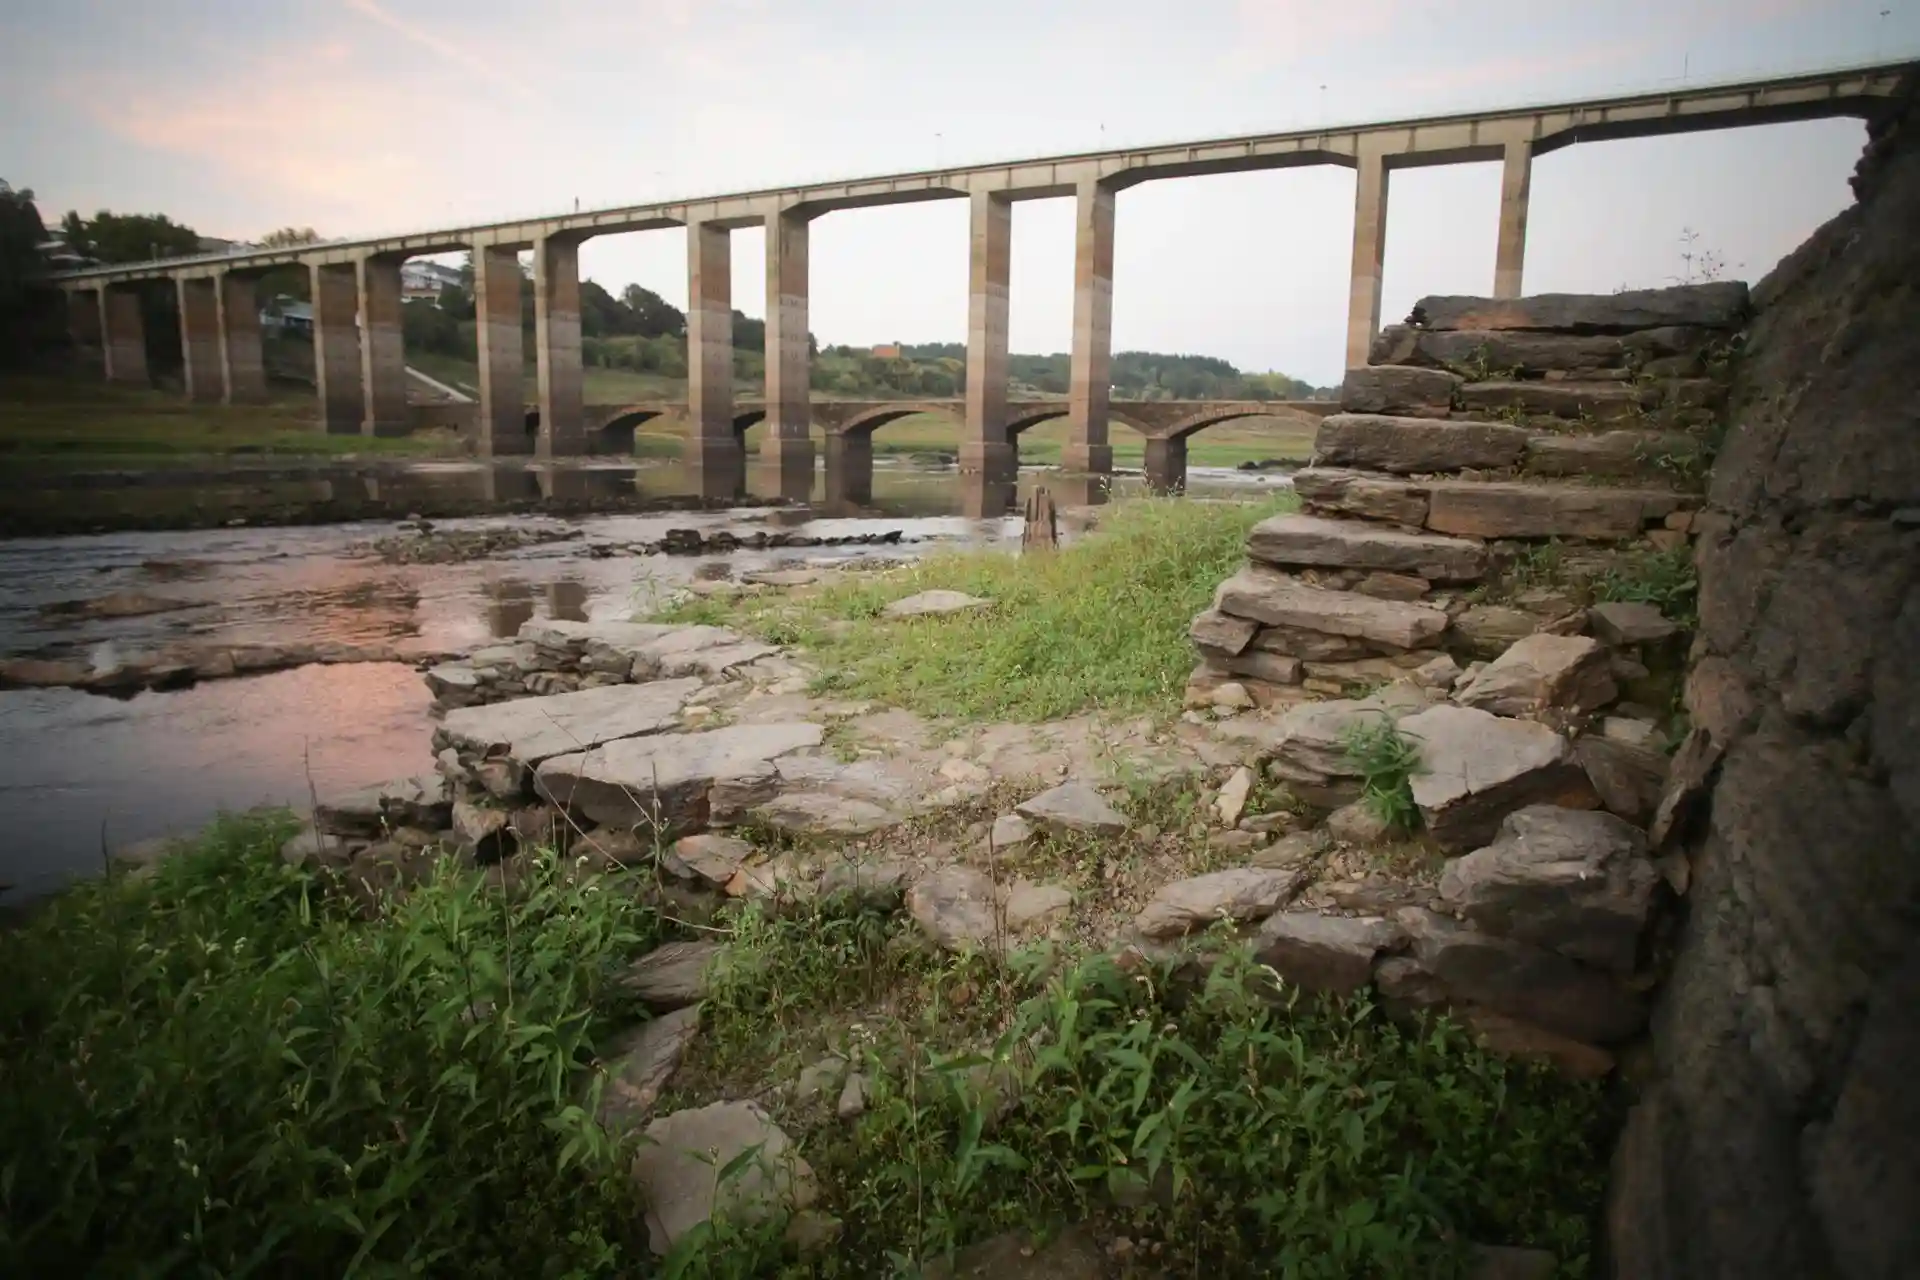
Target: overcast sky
<point>359,116</point>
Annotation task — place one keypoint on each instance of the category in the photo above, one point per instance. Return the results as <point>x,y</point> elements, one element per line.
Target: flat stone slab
<point>422,801</point>
<point>1594,401</point>
<point>1237,895</point>
<point>1716,305</point>
<point>1630,622</point>
<point>1574,881</point>
<point>1073,807</point>
<point>647,650</point>
<point>1416,445</point>
<point>1476,768</point>
<point>1357,493</point>
<point>530,730</point>
<point>1398,389</point>
<point>675,1171</point>
<point>1264,595</point>
<point>1517,510</point>
<point>1316,542</point>
<point>1215,630</point>
<point>641,1061</point>
<point>707,856</point>
<point>1607,453</point>
<point>1517,351</point>
<point>680,781</point>
<point>929,603</point>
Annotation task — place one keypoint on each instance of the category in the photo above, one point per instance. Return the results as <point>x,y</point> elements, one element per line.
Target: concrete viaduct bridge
<point>357,299</point>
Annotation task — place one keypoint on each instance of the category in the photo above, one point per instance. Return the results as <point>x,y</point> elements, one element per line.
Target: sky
<point>366,116</point>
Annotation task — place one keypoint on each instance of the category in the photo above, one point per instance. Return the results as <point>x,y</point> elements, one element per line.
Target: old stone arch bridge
<point>849,427</point>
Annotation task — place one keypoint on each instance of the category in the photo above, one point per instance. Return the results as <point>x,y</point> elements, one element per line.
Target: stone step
<point>1411,446</point>
<point>1490,509</point>
<point>1673,351</point>
<point>1399,389</point>
<point>1265,595</point>
<point>1718,305</point>
<point>1318,543</point>
<point>1590,401</point>
<point>1612,453</point>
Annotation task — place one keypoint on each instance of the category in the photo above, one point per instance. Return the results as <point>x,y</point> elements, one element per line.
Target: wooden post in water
<point>1043,531</point>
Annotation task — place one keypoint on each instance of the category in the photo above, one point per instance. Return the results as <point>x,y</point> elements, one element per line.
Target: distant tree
<point>654,316</point>
<point>28,305</point>
<point>749,334</point>
<point>291,282</point>
<point>289,238</point>
<point>129,237</point>
<point>429,328</point>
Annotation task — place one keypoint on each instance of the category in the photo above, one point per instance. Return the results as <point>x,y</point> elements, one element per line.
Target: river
<point>80,773</point>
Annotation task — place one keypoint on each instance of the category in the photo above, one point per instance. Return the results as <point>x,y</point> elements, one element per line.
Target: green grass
<point>1386,762</point>
<point>225,1070</point>
<point>1216,1121</point>
<point>1100,624</point>
<point>68,423</point>
<point>1665,579</point>
<point>231,1068</point>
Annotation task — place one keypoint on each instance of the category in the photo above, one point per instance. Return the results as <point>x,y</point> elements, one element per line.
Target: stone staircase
<point>1482,431</point>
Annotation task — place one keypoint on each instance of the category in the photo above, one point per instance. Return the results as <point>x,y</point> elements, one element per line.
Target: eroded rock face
<point>679,782</point>
<point>1399,389</point>
<point>1476,768</point>
<point>1410,446</point>
<point>673,1171</point>
<point>1576,881</point>
<point>1316,542</point>
<point>1282,601</point>
<point>673,975</point>
<point>1322,953</point>
<point>1717,305</point>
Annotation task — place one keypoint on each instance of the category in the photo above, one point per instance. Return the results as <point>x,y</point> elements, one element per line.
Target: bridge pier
<point>336,347</point>
<point>1166,464</point>
<point>1087,449</point>
<point>123,336</point>
<point>712,453</point>
<point>243,370</point>
<point>83,327</point>
<point>556,339</point>
<point>383,347</point>
<point>985,447</point>
<point>199,336</point>
<point>1369,253</point>
<point>1516,183</point>
<point>788,445</point>
<point>850,468</point>
<point>496,302</point>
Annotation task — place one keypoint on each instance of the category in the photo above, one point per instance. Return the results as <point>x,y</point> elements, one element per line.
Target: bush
<point>224,1071</point>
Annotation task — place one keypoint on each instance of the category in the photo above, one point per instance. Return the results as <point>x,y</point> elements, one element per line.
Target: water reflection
<point>509,604</point>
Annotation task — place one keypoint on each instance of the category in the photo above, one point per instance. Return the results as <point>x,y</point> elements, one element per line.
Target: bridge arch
<point>615,432</point>
<point>1195,423</point>
<point>863,423</point>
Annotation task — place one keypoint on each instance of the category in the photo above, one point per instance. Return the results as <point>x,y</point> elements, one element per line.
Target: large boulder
<point>1543,672</point>
<point>1279,600</point>
<point>1476,768</point>
<point>677,782</point>
<point>1524,981</point>
<point>1322,953</point>
<point>1716,305</point>
<point>1236,896</point>
<point>1316,542</point>
<point>1576,881</point>
<point>676,1171</point>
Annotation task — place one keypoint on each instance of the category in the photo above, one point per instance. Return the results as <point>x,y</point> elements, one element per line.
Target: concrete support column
<point>83,326</point>
<point>1086,448</point>
<point>788,446</point>
<point>200,337</point>
<point>1369,254</point>
<point>1166,464</point>
<point>1516,182</point>
<point>713,454</point>
<point>556,345</point>
<point>383,347</point>
<point>985,448</point>
<point>496,301</point>
<point>849,469</point>
<point>123,336</point>
<point>243,371</point>
<point>336,347</point>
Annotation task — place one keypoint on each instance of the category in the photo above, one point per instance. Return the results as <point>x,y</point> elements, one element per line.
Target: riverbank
<point>940,975</point>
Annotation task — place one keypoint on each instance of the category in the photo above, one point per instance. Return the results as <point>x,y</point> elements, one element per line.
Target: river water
<point>81,773</point>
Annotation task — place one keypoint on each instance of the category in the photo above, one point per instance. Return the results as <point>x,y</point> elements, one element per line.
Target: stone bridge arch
<point>611,427</point>
<point>862,421</point>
